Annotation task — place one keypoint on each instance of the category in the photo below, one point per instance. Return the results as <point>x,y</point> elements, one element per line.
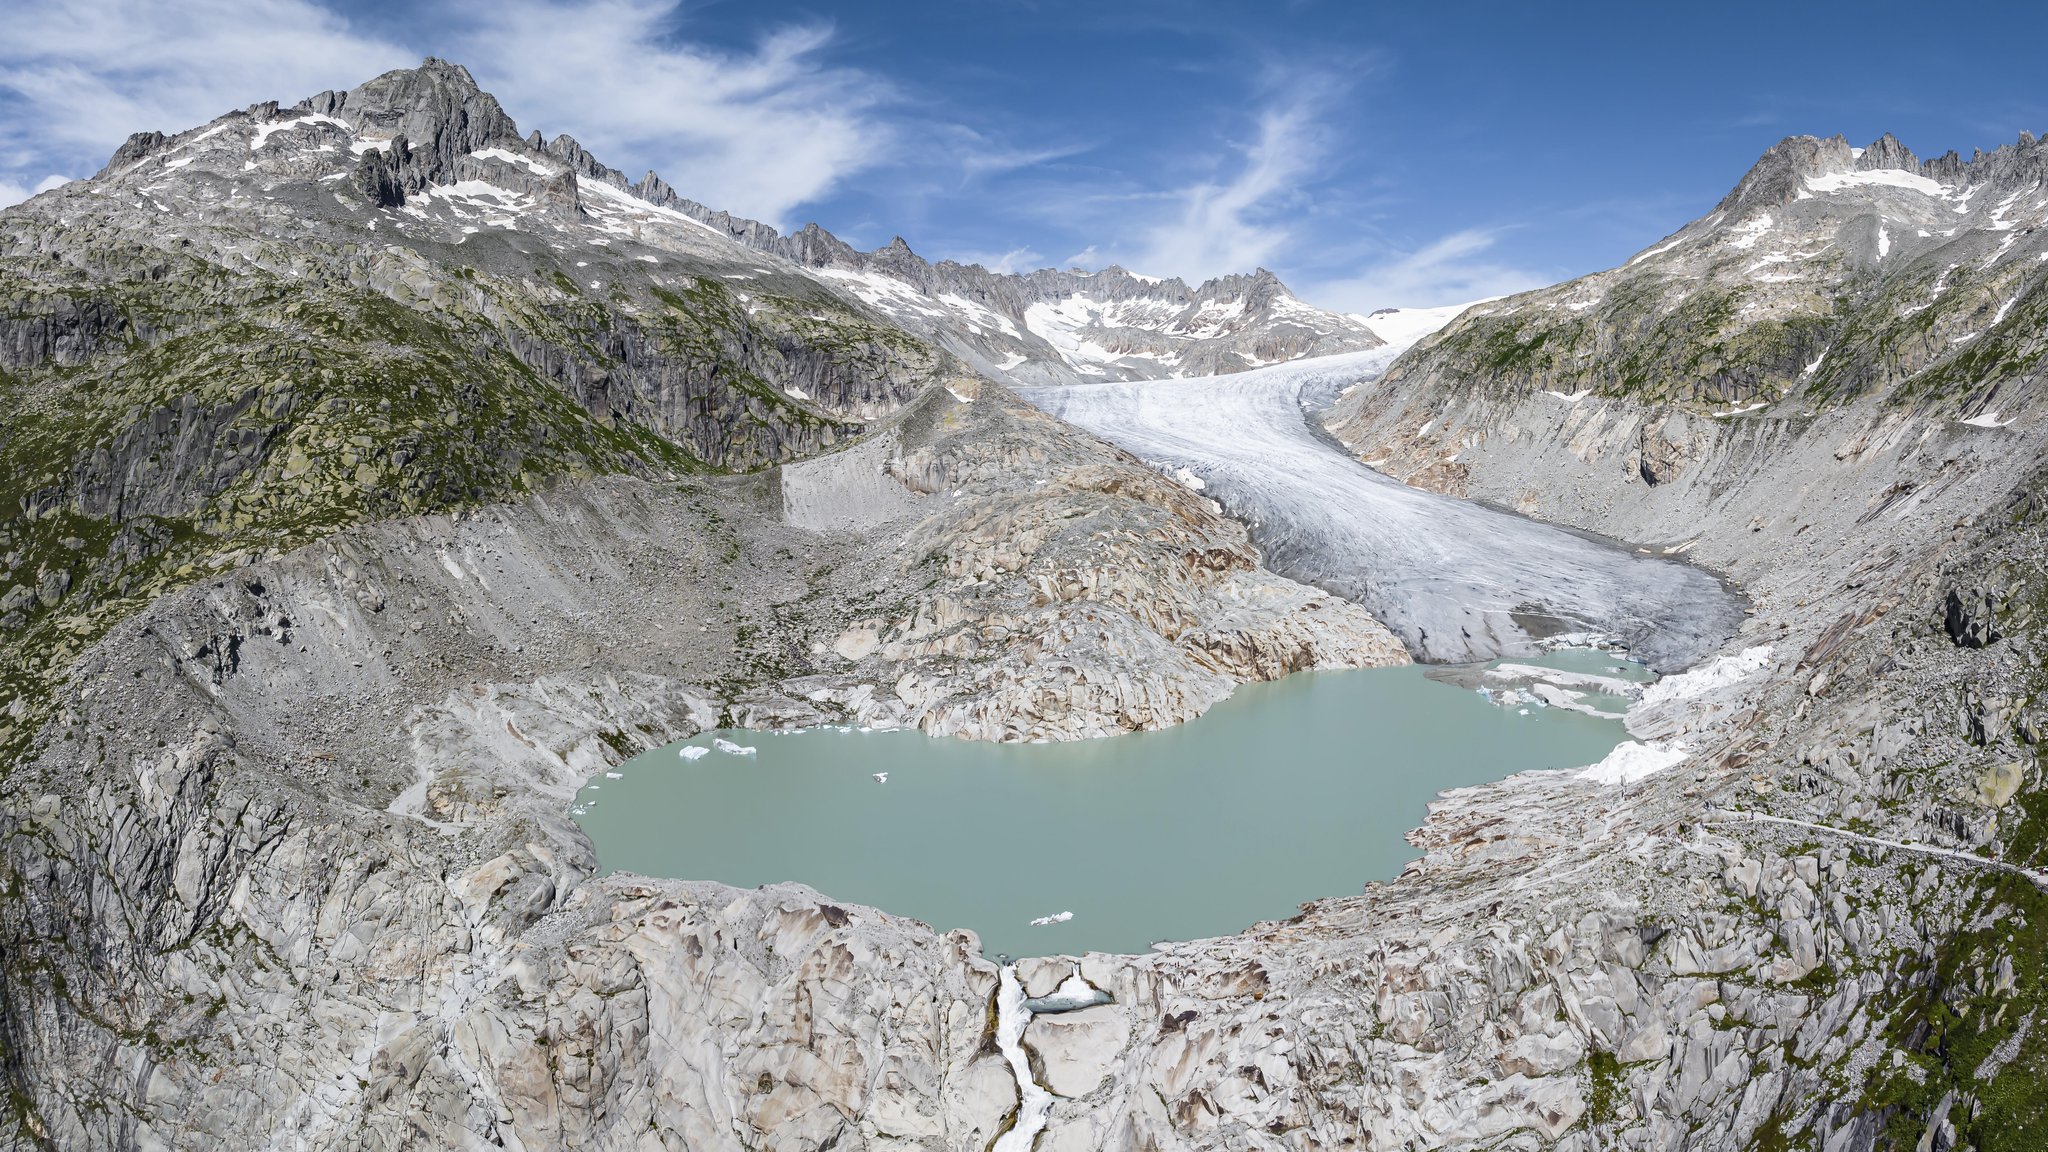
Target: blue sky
<point>1372,154</point>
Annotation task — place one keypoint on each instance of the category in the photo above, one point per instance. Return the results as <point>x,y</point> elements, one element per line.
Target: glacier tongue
<point>1456,581</point>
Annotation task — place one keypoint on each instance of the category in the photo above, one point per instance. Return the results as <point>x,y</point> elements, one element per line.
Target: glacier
<point>1455,580</point>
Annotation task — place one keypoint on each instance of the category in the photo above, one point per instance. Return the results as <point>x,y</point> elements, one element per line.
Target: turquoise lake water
<point>1286,792</point>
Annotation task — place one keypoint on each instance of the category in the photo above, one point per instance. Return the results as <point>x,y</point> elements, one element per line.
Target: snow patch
<point>1749,232</point>
<point>509,157</point>
<point>1403,327</point>
<point>977,313</point>
<point>1876,177</point>
<point>1719,672</point>
<point>884,292</point>
<point>265,131</point>
<point>1986,420</point>
<point>1633,761</point>
<point>1665,247</point>
<point>1034,1103</point>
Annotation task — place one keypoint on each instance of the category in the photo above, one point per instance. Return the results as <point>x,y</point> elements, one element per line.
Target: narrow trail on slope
<point>1935,851</point>
<point>1455,580</point>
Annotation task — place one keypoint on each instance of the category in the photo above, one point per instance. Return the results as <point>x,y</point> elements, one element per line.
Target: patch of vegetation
<point>1606,1088</point>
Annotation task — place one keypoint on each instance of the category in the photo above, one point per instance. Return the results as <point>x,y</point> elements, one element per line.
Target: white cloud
<point>1015,260</point>
<point>756,132</point>
<point>1235,226</point>
<point>1451,270</point>
<point>1087,258</point>
<point>12,193</point>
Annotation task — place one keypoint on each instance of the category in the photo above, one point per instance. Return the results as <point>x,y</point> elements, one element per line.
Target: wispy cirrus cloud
<point>757,132</point>
<point>1217,226</point>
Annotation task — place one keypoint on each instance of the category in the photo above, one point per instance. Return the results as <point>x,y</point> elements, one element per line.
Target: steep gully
<point>1456,581</point>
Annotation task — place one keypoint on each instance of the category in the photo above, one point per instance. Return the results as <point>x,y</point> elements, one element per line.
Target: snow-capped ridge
<point>428,144</point>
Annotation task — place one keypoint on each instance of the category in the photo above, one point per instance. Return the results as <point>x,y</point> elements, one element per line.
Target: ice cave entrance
<point>1286,792</point>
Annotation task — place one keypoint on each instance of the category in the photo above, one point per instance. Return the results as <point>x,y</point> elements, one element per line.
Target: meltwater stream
<point>1284,793</point>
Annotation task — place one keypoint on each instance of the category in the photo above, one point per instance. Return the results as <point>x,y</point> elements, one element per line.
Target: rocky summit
<point>376,476</point>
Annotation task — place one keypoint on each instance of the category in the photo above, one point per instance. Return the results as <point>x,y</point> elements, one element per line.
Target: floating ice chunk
<point>693,752</point>
<point>881,777</point>
<point>1055,918</point>
<point>732,749</point>
<point>615,775</point>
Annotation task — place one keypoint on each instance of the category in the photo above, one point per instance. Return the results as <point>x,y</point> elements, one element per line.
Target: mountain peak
<point>1887,152</point>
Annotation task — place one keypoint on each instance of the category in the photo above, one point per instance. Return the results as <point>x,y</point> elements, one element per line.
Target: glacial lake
<point>1286,792</point>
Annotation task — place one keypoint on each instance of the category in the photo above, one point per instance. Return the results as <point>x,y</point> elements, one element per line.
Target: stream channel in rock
<point>1286,792</point>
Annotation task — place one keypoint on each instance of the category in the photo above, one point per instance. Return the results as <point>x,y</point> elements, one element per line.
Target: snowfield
<point>1455,580</point>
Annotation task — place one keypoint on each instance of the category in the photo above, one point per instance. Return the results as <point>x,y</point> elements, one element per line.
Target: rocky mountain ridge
<point>1829,273</point>
<point>410,138</point>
